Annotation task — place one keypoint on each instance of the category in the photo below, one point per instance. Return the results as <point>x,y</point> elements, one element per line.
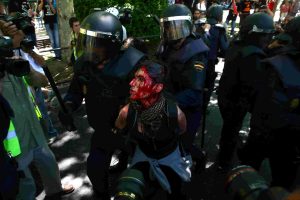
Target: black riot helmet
<point>257,23</point>
<point>176,22</point>
<point>293,29</point>
<point>100,36</point>
<point>214,14</point>
<point>257,29</point>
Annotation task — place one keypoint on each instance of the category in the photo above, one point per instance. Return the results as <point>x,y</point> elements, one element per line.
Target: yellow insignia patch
<point>199,66</point>
<point>294,103</point>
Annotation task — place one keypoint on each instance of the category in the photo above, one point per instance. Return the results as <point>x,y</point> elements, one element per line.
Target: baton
<point>204,108</point>
<point>48,74</point>
<point>61,48</point>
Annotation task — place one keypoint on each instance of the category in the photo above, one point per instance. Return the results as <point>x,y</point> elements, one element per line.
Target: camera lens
<point>243,181</point>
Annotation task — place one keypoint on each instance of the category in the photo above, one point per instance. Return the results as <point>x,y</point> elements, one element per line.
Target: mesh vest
<point>11,142</point>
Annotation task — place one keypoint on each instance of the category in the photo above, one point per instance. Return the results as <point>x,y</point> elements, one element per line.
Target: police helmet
<point>214,14</point>
<point>257,23</point>
<point>113,11</point>
<point>293,29</point>
<point>100,35</point>
<point>176,22</point>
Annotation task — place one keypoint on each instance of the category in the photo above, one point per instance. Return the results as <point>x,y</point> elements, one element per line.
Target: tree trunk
<point>65,12</point>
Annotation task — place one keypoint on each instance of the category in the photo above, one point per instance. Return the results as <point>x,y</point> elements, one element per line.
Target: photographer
<point>33,144</point>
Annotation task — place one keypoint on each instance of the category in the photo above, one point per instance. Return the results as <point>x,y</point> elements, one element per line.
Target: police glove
<point>66,118</point>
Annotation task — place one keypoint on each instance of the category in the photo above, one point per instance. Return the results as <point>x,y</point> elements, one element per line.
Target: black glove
<point>66,118</point>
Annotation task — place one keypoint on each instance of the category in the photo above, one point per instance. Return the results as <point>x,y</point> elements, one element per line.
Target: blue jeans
<point>232,25</point>
<point>39,97</point>
<point>54,38</point>
<point>47,167</point>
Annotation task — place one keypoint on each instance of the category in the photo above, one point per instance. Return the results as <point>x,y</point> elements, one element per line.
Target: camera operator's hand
<point>66,119</point>
<point>8,28</point>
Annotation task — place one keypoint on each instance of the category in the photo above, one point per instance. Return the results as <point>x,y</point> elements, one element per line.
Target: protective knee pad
<point>130,186</point>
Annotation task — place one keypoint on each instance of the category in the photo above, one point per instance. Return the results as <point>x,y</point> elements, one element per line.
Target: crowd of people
<point>153,107</point>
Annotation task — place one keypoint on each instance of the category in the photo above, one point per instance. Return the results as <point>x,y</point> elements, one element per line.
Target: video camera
<point>244,183</point>
<point>27,43</point>
<point>16,67</point>
<point>22,21</point>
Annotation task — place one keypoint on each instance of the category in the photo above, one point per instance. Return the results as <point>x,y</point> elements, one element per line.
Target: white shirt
<point>201,6</point>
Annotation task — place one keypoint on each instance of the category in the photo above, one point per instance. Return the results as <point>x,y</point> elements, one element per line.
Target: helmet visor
<point>175,29</point>
<point>97,49</point>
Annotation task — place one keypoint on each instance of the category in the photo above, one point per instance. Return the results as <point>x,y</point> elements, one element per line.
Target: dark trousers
<point>281,146</point>
<point>98,163</point>
<point>103,144</point>
<point>232,123</point>
<point>242,17</point>
<point>193,119</point>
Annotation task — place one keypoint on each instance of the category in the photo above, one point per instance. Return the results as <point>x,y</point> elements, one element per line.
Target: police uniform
<point>185,57</point>
<point>185,81</point>
<point>242,77</point>
<point>218,45</point>
<point>236,92</point>
<point>275,122</point>
<point>105,89</point>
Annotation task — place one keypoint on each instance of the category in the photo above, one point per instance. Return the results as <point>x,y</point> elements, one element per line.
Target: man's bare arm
<point>181,120</point>
<point>121,120</point>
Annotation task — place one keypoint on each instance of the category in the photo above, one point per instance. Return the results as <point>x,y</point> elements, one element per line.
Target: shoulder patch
<point>199,66</point>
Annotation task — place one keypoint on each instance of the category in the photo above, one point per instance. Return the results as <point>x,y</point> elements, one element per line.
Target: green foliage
<point>143,11</point>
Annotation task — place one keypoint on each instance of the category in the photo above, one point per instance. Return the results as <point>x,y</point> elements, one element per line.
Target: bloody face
<point>141,85</point>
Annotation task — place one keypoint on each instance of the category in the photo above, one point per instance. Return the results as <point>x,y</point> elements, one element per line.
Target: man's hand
<point>8,28</point>
<point>66,119</point>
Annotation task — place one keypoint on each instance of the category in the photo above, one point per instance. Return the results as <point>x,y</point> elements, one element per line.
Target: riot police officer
<point>240,79</point>
<point>218,45</point>
<point>275,122</point>
<point>102,74</point>
<point>185,56</point>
